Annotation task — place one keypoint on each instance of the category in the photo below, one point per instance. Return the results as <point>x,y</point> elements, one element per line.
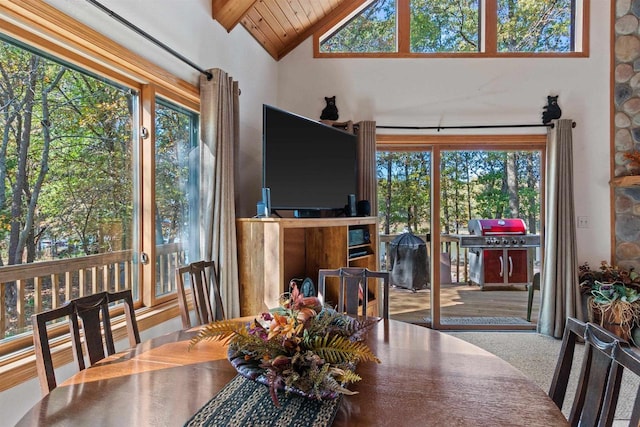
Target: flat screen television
<point>308,166</point>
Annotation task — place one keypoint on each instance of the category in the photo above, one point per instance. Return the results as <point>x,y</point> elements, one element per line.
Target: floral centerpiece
<point>613,297</point>
<point>300,347</point>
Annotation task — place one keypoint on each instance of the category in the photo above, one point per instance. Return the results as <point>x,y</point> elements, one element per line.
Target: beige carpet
<point>536,355</point>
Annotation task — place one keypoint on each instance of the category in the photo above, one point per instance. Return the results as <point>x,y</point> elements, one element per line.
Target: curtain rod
<point>149,37</point>
<point>438,128</point>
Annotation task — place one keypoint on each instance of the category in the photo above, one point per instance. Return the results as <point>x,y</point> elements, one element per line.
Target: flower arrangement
<point>299,347</point>
<point>614,296</point>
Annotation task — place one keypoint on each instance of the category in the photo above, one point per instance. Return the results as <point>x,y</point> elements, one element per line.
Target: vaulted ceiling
<point>281,25</point>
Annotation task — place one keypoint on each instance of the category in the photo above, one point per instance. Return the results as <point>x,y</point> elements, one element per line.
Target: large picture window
<point>67,182</point>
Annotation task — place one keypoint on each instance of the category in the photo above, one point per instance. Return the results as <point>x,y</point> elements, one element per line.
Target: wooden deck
<point>489,306</point>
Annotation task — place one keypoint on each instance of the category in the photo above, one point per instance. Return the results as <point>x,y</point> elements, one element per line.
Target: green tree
<point>444,26</point>
<point>535,26</point>
<point>372,30</point>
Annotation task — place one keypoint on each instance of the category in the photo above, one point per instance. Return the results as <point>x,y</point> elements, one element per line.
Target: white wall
<point>428,92</point>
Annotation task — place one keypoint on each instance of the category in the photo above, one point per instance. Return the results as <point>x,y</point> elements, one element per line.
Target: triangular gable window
<point>372,29</point>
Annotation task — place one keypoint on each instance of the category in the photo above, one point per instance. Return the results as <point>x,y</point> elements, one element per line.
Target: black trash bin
<point>408,261</point>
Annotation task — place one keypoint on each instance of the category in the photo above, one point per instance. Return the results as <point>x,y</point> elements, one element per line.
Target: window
<point>536,26</point>
<point>459,28</point>
<point>444,26</point>
<point>66,172</point>
<point>176,157</point>
<point>371,30</point>
<point>74,166</point>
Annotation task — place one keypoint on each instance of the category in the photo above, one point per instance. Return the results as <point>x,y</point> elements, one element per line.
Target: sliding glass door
<point>443,278</point>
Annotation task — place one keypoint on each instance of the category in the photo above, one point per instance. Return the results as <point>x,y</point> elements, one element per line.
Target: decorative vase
<point>607,316</point>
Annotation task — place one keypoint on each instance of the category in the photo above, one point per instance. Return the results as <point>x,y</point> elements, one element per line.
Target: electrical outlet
<point>583,222</point>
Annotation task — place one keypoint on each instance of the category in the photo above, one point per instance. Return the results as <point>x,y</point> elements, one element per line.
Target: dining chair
<point>599,378</point>
<point>629,359</point>
<point>90,329</point>
<point>353,289</point>
<point>202,278</point>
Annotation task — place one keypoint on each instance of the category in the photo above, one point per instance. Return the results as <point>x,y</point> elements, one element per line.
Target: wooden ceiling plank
<point>342,10</point>
<point>271,38</point>
<point>318,9</point>
<point>229,12</point>
<point>287,14</point>
<point>286,24</point>
<point>305,7</point>
<point>257,34</point>
<point>269,14</point>
<point>298,11</point>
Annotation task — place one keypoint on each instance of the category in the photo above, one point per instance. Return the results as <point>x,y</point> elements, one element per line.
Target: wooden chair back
<point>42,348</point>
<point>599,379</point>
<point>353,289</point>
<point>629,359</point>
<point>203,278</point>
<point>90,329</point>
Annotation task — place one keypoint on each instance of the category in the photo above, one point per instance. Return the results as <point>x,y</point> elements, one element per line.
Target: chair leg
<point>530,288</point>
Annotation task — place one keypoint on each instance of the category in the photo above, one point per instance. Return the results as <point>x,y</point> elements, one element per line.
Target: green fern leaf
<point>340,349</point>
<point>222,330</point>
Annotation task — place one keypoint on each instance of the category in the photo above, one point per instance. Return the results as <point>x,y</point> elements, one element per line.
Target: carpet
<point>535,355</point>
<point>480,321</point>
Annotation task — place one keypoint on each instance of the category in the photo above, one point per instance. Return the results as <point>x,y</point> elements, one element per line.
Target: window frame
<point>488,29</point>
<point>43,27</point>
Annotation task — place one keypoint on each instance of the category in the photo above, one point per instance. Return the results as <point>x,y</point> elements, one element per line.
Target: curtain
<point>560,291</point>
<point>367,176</point>
<point>219,127</point>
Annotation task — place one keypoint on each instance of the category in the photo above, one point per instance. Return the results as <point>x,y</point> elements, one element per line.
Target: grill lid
<point>492,227</point>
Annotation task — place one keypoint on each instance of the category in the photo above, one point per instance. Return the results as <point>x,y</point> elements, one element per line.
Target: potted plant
<point>613,297</point>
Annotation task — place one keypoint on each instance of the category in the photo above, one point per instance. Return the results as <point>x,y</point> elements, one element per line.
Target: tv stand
<point>272,251</point>
<point>306,213</point>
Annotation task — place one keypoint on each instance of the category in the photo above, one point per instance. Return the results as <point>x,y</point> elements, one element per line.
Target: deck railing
<point>26,289</point>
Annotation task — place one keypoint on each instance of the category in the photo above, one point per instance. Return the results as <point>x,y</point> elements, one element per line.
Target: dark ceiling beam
<point>229,12</point>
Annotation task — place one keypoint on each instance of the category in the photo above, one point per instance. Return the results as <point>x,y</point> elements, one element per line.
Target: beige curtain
<point>367,177</point>
<point>219,126</point>
<point>560,292</point>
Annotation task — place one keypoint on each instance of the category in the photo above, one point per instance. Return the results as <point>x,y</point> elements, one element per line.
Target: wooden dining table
<point>425,378</point>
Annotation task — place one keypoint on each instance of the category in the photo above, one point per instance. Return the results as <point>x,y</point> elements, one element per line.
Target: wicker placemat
<point>244,402</point>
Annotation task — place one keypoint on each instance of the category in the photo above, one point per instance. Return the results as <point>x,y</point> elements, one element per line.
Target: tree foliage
<point>534,25</point>
<point>372,30</point>
<point>454,26</point>
<point>473,184</point>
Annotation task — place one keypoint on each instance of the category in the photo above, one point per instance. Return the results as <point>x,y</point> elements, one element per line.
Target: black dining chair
<point>629,359</point>
<point>90,328</point>
<point>599,378</point>
<point>202,278</point>
<point>353,289</point>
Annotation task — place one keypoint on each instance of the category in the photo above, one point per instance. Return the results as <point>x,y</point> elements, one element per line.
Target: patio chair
<point>89,323</point>
<point>353,289</point>
<point>535,284</point>
<point>599,379</point>
<point>199,274</point>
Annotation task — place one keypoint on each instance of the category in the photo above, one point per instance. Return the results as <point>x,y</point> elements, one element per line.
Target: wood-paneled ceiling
<point>281,25</point>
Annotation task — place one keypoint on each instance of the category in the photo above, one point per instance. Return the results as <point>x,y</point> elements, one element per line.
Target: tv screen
<point>307,165</point>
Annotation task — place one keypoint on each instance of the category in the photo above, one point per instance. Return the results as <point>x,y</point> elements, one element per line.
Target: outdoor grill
<point>500,252</point>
